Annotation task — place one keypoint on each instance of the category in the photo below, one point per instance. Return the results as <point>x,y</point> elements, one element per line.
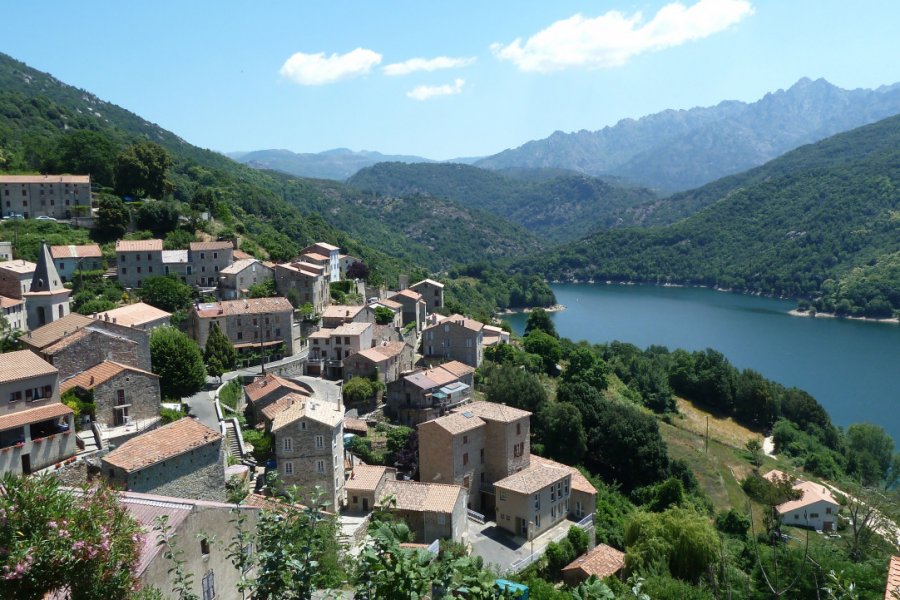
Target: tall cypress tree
<point>220,355</point>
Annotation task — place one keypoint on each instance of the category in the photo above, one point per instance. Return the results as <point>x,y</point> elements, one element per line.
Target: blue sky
<point>311,76</point>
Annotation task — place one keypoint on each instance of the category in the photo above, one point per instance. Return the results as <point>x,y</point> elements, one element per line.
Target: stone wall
<point>141,395</point>
<point>95,347</point>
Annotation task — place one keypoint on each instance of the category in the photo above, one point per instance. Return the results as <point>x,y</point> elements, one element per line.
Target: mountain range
<point>338,164</point>
<point>681,149</point>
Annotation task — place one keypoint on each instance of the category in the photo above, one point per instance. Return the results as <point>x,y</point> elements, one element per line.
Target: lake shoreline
<point>826,315</point>
<point>550,309</point>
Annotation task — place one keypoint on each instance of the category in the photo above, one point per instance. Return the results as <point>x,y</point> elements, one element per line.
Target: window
<point>215,255</point>
<point>465,458</point>
<point>137,257</point>
<point>481,456</point>
<point>827,510</point>
<point>240,335</point>
<point>320,441</point>
<point>813,515</point>
<point>150,269</point>
<point>287,445</point>
<point>320,466</point>
<point>518,429</point>
<point>537,521</point>
<point>441,519</point>
<point>124,270</point>
<point>149,256</point>
<point>465,439</point>
<point>503,495</point>
<point>14,396</point>
<point>209,586</point>
<point>204,547</point>
<point>288,468</point>
<point>202,256</point>
<point>519,449</point>
<point>138,269</point>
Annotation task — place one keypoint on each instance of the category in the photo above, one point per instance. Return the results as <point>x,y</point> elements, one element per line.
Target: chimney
<point>92,380</point>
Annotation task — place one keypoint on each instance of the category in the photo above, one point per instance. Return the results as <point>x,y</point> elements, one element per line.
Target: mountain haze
<point>682,149</point>
<point>338,164</point>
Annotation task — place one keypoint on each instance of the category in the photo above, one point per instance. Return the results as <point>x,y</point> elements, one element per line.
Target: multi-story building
<point>184,459</point>
<point>252,324</point>
<point>69,259</point>
<point>46,299</point>
<point>429,393</point>
<point>533,500</point>
<point>329,347</point>
<point>57,196</point>
<point>387,359</point>
<point>456,338</point>
<point>432,292</point>
<point>177,263</point>
<point>433,511</point>
<point>330,254</point>
<point>267,389</point>
<point>137,260</point>
<point>309,450</point>
<point>235,280</point>
<point>36,429</point>
<point>477,445</point>
<point>307,280</point>
<point>339,314</point>
<point>6,251</point>
<point>15,278</point>
<point>121,394</point>
<point>583,495</point>
<point>412,307</point>
<point>14,312</point>
<point>207,260</point>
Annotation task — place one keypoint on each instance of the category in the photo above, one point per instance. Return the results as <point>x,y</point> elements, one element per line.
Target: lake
<point>851,367</point>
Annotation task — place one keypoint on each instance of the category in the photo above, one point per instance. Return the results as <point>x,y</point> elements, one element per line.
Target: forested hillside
<point>822,223</point>
<point>682,149</point>
<point>555,205</point>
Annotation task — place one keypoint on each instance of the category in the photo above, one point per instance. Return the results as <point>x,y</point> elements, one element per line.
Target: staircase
<point>231,440</point>
<point>88,440</point>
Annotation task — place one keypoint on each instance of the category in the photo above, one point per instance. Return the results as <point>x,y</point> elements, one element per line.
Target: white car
<point>44,218</point>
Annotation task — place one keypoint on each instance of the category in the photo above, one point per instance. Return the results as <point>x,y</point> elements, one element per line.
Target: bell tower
<point>46,300</point>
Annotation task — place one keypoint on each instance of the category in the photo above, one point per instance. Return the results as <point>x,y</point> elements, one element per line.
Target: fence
<point>476,516</point>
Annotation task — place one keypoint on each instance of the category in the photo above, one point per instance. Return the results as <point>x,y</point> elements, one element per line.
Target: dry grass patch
<point>725,430</point>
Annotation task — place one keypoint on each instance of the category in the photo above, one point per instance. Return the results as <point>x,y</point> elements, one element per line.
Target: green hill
<point>553,204</point>
<point>821,222</point>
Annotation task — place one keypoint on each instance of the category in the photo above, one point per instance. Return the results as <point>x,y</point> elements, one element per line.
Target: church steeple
<point>46,277</point>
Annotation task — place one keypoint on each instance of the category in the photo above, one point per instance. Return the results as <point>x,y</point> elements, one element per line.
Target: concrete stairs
<point>231,441</point>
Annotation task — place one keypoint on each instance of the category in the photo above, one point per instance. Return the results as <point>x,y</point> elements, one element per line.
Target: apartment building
<point>137,260</point>
<point>428,393</point>
<point>328,255</point>
<point>328,348</point>
<point>266,389</point>
<point>57,196</point>
<point>69,259</point>
<point>309,450</point>
<point>36,429</point>
<point>533,500</point>
<point>257,324</point>
<point>455,338</point>
<point>307,280</point>
<point>207,260</point>
<point>432,292</point>
<point>235,280</point>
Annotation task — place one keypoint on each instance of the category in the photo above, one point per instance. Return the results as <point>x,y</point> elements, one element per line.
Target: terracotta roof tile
<point>315,256</point>
<point>270,411</point>
<point>342,311</point>
<point>33,415</point>
<point>240,255</point>
<point>133,315</point>
<point>162,444</point>
<point>23,364</point>
<point>454,423</point>
<point>99,374</point>
<point>22,267</point>
<point>457,368</point>
<point>45,178</point>
<point>579,481</point>
<point>352,425</point>
<point>492,411</point>
<point>423,497</point>
<point>533,479</point>
<point>461,321</point>
<point>139,245</point>
<point>602,561</point>
<point>9,302</point>
<point>365,478</point>
<point>203,246</point>
<point>263,386</point>
<point>892,589</point>
<point>248,306</point>
<point>84,251</point>
<point>408,294</point>
<point>323,412</point>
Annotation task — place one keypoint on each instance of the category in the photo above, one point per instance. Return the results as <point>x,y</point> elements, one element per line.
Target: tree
<point>539,319</point>
<point>166,292</point>
<point>113,218</point>
<point>754,447</point>
<point>157,217</point>
<point>9,337</point>
<point>562,432</point>
<point>547,347</point>
<point>83,542</point>
<point>386,570</point>
<point>85,152</point>
<point>383,315</point>
<point>358,270</point>
<point>506,384</point>
<point>265,289</point>
<point>679,538</point>
<point>869,512</point>
<point>141,170</point>
<point>178,362</point>
<point>219,355</point>
<point>358,390</point>
<point>870,453</point>
<point>588,368</point>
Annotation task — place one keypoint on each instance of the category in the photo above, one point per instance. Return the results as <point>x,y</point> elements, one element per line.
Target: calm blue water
<point>851,367</point>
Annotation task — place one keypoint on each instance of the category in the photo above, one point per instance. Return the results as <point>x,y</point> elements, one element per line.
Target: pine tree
<point>220,355</point>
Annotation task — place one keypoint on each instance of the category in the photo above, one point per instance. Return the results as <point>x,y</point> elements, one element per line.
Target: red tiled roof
<point>198,246</point>
<point>131,315</point>
<point>602,561</point>
<point>33,415</point>
<point>247,306</point>
<point>365,478</point>
<point>45,178</point>
<point>263,386</point>
<point>84,251</point>
<point>579,481</point>
<point>23,364</point>
<point>161,444</point>
<point>98,374</point>
<point>139,245</point>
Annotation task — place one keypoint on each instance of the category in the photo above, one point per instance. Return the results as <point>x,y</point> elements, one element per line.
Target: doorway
<point>26,464</point>
<point>365,505</point>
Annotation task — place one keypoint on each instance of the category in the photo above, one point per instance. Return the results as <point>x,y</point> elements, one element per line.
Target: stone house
<point>198,525</point>
<point>137,260</point>
<point>251,324</point>
<point>207,259</point>
<point>340,314</point>
<point>477,445</point>
<point>456,338</point>
<point>433,511</point>
<point>138,315</point>
<point>185,459</point>
<point>36,429</point>
<point>57,196</point>
<point>365,486</point>
<point>816,508</point>
<point>332,255</point>
<point>13,311</point>
<point>413,307</point>
<point>601,562</point>
<point>432,292</point>
<point>344,262</point>
<point>307,280</point>
<point>76,343</point>
<point>533,500</point>
<point>388,359</point>
<point>328,348</point>
<point>309,450</point>
<point>235,280</point>
<point>69,259</point>
<point>429,393</point>
<point>266,389</point>
<point>394,307</point>
<point>177,263</point>
<point>121,394</point>
<point>15,278</point>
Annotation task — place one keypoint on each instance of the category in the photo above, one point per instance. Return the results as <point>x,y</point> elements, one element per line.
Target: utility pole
<point>707,434</point>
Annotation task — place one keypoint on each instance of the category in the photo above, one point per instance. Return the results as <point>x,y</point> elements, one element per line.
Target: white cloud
<point>424,92</point>
<point>426,64</point>
<point>318,69</point>
<point>611,39</point>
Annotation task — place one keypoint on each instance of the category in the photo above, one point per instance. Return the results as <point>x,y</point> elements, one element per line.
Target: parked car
<point>44,218</point>
<point>13,217</point>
